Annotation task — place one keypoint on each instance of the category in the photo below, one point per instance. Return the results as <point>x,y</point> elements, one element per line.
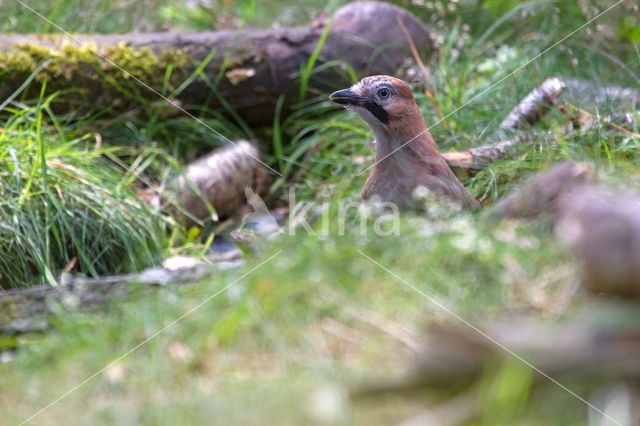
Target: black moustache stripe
<point>377,111</point>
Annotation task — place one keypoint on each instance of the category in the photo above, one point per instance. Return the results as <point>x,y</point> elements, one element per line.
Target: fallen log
<point>28,310</point>
<point>213,186</point>
<point>598,344</point>
<point>540,193</point>
<point>597,350</point>
<point>585,345</point>
<point>601,227</point>
<point>246,71</point>
<point>218,180</point>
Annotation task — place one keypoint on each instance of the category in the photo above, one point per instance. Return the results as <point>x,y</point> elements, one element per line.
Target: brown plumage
<point>406,154</point>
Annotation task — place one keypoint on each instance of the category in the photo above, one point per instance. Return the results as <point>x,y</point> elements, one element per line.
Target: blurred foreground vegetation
<point>281,345</point>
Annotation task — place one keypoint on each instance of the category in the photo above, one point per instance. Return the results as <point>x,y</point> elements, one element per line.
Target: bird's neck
<point>405,144</point>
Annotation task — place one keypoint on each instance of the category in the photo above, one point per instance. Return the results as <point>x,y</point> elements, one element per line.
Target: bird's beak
<point>345,97</point>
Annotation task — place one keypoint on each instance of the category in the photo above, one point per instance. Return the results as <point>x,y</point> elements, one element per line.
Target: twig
<point>479,157</point>
<point>528,112</point>
<point>585,118</point>
<point>374,319</point>
<point>427,76</point>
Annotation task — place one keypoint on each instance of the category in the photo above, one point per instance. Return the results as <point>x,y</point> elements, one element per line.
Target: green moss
<point>141,63</point>
<point>8,312</point>
<point>176,57</point>
<point>85,53</point>
<point>82,63</point>
<point>16,61</point>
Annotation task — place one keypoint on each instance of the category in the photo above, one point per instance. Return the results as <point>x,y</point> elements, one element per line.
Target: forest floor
<point>282,339</point>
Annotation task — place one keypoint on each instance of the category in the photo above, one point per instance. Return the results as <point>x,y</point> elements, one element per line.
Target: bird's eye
<point>384,93</point>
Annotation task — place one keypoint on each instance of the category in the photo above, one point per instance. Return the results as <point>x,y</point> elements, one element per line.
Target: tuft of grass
<point>65,203</point>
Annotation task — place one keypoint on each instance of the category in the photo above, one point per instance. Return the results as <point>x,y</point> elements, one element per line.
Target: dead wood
<point>473,159</point>
<point>527,113</point>
<point>602,229</point>
<point>249,69</point>
<point>565,94</point>
<point>585,93</point>
<point>27,310</point>
<point>534,105</point>
<point>579,347</point>
<point>586,120</point>
<point>595,344</point>
<point>540,193</point>
<point>458,410</point>
<point>215,184</point>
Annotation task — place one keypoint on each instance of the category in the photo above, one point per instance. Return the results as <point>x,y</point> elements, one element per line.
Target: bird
<point>406,153</point>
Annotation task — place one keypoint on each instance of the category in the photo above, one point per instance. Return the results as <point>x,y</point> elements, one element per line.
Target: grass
<point>66,202</point>
<point>269,330</point>
<point>285,342</point>
<point>119,16</point>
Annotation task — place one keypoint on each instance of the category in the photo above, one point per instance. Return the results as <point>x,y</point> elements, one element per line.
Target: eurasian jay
<point>406,154</point>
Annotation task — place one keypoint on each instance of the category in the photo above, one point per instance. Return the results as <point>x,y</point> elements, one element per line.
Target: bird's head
<point>406,154</point>
<point>382,101</point>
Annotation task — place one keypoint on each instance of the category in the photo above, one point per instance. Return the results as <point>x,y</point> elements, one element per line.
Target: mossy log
<point>246,70</point>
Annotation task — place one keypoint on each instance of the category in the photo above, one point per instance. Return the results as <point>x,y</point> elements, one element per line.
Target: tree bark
<point>247,70</point>
<point>214,185</point>
<point>540,194</point>
<point>602,229</point>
